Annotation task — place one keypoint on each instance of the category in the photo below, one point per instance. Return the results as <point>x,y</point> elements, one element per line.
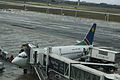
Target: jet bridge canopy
<point>104,54</point>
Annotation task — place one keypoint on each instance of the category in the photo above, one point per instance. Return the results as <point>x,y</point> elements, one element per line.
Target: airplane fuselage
<point>72,51</point>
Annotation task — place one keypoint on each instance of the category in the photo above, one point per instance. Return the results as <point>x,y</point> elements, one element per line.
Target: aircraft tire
<point>25,71</point>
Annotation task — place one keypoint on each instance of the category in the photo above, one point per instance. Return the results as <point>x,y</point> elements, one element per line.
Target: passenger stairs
<point>41,73</point>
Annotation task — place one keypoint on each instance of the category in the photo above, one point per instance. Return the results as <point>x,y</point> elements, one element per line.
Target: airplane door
<point>60,51</point>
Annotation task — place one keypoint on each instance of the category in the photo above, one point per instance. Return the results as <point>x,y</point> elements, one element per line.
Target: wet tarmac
<point>12,72</point>
<point>18,27</point>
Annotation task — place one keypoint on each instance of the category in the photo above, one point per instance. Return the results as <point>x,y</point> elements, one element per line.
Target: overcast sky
<point>102,1</point>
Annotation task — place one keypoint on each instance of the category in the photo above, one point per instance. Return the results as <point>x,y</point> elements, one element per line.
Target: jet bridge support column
<point>35,57</point>
<point>49,50</point>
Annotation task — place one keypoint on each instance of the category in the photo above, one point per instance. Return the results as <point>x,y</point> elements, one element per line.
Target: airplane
<point>70,51</point>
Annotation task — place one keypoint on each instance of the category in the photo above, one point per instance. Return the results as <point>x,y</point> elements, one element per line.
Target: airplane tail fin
<point>88,40</point>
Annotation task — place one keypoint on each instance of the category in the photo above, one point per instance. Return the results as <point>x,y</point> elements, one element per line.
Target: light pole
<point>78,2</point>
<point>25,4</point>
<point>48,2</point>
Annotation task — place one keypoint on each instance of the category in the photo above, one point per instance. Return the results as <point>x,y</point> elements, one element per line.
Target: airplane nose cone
<point>19,61</point>
<point>15,61</point>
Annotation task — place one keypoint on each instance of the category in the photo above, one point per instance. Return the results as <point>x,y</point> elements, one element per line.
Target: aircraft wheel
<point>25,71</point>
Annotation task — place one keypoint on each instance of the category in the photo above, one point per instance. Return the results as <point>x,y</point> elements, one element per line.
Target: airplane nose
<point>19,61</point>
<point>15,61</point>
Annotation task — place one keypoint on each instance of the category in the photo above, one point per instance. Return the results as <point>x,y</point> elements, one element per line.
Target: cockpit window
<point>22,56</point>
<point>22,50</point>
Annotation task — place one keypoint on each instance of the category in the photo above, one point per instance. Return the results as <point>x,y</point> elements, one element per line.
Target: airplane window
<point>22,50</point>
<point>22,55</point>
<point>19,56</point>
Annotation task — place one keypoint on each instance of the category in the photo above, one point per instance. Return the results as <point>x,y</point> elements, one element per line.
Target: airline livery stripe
<point>87,42</point>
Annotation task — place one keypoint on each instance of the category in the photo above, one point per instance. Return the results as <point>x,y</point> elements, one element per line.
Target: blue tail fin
<point>88,40</point>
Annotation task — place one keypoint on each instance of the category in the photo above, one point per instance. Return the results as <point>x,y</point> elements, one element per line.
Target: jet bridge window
<point>81,74</point>
<point>59,66</point>
<point>103,53</point>
<point>35,57</point>
<point>117,58</point>
<point>107,78</point>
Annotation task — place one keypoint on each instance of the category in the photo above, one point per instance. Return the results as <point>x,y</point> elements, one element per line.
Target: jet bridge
<point>103,55</point>
<point>67,68</point>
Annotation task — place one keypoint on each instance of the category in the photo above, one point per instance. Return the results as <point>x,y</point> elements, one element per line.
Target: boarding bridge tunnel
<point>45,62</point>
<point>38,61</point>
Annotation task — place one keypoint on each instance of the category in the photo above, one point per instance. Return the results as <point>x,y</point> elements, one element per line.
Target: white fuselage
<point>72,52</point>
